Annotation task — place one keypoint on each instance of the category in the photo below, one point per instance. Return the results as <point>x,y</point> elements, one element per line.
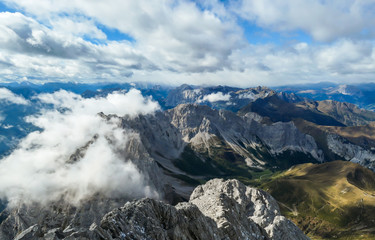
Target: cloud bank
<point>10,97</point>
<point>323,20</point>
<point>215,97</point>
<point>77,154</point>
<point>240,43</point>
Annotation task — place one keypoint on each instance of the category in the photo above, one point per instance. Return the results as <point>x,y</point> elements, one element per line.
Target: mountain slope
<point>335,199</point>
<point>342,143</point>
<point>279,110</point>
<point>201,143</point>
<point>346,113</point>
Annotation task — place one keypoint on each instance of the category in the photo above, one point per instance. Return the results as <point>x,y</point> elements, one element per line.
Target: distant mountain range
<point>253,134</point>
<point>362,95</point>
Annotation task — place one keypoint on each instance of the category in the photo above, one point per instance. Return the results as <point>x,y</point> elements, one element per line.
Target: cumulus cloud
<point>185,41</point>
<point>78,153</point>
<point>173,35</point>
<point>9,96</point>
<point>248,95</point>
<point>323,20</point>
<point>30,48</point>
<point>215,97</point>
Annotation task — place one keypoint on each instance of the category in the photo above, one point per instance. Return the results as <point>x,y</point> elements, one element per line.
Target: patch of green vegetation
<point>228,162</point>
<point>261,174</point>
<point>362,178</point>
<point>219,161</point>
<point>185,178</point>
<point>193,164</point>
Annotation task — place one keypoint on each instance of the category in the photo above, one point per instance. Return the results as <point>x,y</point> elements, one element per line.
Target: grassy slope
<point>328,201</point>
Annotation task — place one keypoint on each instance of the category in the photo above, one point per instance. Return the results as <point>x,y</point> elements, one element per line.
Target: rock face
<point>56,219</point>
<point>243,212</point>
<point>351,152</point>
<point>344,112</point>
<point>217,210</point>
<point>151,219</point>
<point>166,134</point>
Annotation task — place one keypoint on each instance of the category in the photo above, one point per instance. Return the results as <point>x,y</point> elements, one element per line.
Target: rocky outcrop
<point>351,152</point>
<point>217,210</point>
<point>243,212</point>
<point>151,219</point>
<point>33,221</point>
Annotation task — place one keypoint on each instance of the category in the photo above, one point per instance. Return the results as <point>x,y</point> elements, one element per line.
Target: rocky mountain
<point>192,142</point>
<point>361,95</point>
<point>279,110</point>
<point>216,210</point>
<point>346,113</point>
<point>222,97</point>
<point>201,143</point>
<point>342,143</point>
<point>339,129</point>
<point>199,134</point>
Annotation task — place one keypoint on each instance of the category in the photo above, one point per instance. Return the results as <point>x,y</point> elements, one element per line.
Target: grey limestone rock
<point>243,212</point>
<point>219,209</point>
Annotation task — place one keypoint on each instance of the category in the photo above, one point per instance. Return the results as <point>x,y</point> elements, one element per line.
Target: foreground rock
<point>243,212</point>
<point>217,210</point>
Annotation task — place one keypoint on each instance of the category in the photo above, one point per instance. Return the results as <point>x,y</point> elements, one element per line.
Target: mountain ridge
<point>235,212</point>
<point>202,133</point>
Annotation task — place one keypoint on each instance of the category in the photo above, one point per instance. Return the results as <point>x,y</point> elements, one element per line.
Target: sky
<point>240,42</point>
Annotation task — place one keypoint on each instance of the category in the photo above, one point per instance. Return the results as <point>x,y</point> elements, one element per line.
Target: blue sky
<point>239,43</point>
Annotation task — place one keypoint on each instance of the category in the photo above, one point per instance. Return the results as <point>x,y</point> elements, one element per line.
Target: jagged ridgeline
<point>200,133</point>
<point>216,210</point>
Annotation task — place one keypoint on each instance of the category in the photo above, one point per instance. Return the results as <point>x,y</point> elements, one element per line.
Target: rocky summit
<point>218,209</point>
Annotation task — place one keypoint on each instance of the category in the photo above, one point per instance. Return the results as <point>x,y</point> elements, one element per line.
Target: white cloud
<point>9,96</point>
<point>32,49</point>
<point>183,41</point>
<point>77,27</point>
<point>248,95</point>
<point>41,168</point>
<point>215,97</point>
<point>174,35</point>
<point>324,20</point>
